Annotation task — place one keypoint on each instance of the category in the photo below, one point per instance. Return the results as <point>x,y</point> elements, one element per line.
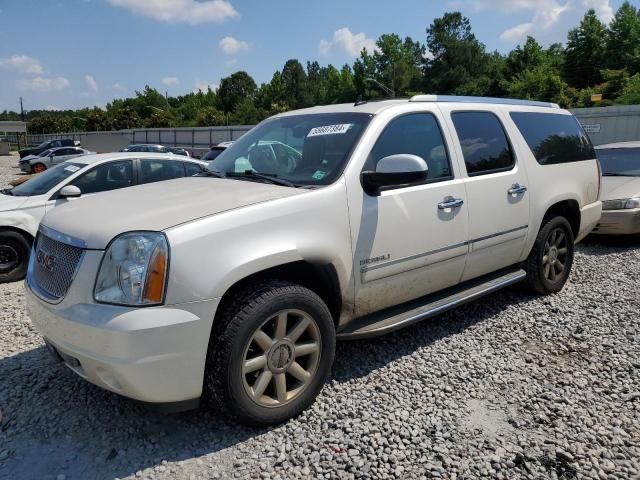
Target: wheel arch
<point>321,278</point>
<point>23,232</point>
<point>569,209</point>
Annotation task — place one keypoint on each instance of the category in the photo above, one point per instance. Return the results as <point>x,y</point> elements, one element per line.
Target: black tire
<point>234,328</point>
<point>14,256</point>
<point>540,279</point>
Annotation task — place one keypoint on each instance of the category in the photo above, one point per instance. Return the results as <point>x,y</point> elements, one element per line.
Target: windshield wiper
<point>268,177</point>
<point>6,191</point>
<point>613,174</point>
<point>212,173</point>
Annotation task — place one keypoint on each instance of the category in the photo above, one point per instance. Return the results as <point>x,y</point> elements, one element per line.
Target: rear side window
<point>484,143</point>
<point>415,134</point>
<point>554,138</point>
<point>159,170</point>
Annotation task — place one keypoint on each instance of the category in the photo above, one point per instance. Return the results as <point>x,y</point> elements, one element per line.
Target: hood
<point>29,157</point>
<point>99,218</point>
<point>8,202</point>
<point>616,188</point>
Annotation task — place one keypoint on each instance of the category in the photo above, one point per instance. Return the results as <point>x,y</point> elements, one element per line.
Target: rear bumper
<point>589,217</point>
<point>154,355</point>
<point>619,222</point>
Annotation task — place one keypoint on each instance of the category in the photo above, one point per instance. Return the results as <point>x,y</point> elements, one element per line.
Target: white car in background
<point>48,158</point>
<point>23,207</point>
<point>620,193</point>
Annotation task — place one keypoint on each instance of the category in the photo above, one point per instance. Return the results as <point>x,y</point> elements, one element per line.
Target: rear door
<point>496,186</point>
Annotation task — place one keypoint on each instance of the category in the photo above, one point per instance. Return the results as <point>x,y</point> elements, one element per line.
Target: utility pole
<point>166,97</point>
<point>21,110</point>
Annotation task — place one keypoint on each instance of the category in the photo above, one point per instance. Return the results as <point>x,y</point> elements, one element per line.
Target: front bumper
<point>619,222</point>
<point>155,355</point>
<point>25,167</point>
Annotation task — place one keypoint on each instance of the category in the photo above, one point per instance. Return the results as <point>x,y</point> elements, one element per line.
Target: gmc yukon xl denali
<point>336,222</point>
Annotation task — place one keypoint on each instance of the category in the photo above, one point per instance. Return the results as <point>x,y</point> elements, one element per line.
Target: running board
<point>393,319</point>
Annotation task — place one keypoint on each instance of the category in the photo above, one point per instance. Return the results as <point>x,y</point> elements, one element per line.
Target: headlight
<point>133,271</point>
<point>632,203</point>
<point>622,204</point>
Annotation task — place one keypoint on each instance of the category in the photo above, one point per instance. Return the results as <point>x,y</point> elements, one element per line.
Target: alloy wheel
<point>555,254</point>
<point>281,358</point>
<point>9,258</point>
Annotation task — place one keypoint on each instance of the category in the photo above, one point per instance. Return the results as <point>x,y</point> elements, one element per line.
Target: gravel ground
<point>513,386</point>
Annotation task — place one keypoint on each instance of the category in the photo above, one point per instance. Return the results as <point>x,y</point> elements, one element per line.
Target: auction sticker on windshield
<point>72,168</point>
<point>330,130</point>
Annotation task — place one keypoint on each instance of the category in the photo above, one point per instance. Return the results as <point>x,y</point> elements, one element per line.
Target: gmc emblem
<point>45,260</point>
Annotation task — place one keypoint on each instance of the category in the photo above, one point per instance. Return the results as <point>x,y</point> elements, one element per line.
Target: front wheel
<point>551,258</point>
<point>14,256</point>
<point>270,353</point>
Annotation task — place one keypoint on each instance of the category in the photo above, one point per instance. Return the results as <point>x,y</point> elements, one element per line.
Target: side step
<point>404,315</point>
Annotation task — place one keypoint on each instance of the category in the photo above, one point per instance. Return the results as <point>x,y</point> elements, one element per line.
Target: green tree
<point>210,117</point>
<point>623,40</point>
<point>457,60</point>
<point>97,121</point>
<point>247,113</point>
<point>585,52</point>
<point>295,84</point>
<point>631,92</point>
<point>235,89</point>
<point>523,57</point>
<point>161,119</point>
<point>49,124</point>
<point>540,83</point>
<point>124,118</point>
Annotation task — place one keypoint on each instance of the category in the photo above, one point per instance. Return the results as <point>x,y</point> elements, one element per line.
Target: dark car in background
<point>215,151</point>
<point>149,147</point>
<point>46,145</point>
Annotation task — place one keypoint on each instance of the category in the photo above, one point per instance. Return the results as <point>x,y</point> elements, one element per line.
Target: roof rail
<point>492,100</point>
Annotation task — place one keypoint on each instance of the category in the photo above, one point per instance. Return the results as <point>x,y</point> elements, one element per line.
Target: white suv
<point>370,217</point>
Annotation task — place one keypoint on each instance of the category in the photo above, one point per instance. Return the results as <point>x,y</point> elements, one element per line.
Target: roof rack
<point>492,100</point>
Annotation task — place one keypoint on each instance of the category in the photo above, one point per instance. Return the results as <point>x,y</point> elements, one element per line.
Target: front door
<point>411,240</point>
<point>497,192</point>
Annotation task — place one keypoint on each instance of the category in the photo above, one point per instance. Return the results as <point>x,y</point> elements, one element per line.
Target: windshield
<point>46,153</point>
<point>43,144</point>
<point>45,181</point>
<point>620,161</point>
<point>302,149</point>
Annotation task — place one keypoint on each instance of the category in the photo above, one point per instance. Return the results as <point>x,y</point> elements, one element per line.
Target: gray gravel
<point>513,386</point>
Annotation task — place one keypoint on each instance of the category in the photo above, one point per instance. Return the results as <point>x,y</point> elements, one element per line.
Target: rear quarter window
<point>554,138</point>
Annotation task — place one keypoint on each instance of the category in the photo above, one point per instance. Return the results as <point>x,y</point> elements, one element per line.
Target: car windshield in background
<point>620,161</point>
<point>43,144</point>
<point>302,149</point>
<point>45,181</point>
<point>46,153</point>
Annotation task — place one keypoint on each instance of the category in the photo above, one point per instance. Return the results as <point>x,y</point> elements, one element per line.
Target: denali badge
<point>45,260</point>
<point>381,258</point>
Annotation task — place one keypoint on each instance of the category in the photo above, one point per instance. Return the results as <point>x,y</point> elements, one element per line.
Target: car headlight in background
<point>134,270</point>
<point>622,204</point>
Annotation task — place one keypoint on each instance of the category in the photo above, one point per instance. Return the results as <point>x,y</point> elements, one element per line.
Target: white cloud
<point>52,108</point>
<point>551,19</point>
<point>91,83</point>
<point>170,81</point>
<point>203,85</point>
<point>347,41</point>
<point>22,64</point>
<point>189,11</point>
<point>119,88</point>
<point>43,84</point>
<point>233,46</point>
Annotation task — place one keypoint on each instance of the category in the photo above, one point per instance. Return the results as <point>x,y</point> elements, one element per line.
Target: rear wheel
<point>14,256</point>
<point>271,353</point>
<point>38,168</point>
<point>551,258</point>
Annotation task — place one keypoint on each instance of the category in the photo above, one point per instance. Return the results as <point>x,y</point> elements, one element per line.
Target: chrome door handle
<point>517,189</point>
<point>451,203</point>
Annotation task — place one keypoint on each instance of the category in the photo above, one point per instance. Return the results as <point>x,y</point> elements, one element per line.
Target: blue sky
<point>74,53</point>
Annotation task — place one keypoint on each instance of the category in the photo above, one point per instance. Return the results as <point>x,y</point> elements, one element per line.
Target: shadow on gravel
<point>592,245</point>
<point>56,423</point>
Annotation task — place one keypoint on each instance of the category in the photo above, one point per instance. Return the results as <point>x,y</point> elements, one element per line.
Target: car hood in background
<point>29,157</point>
<point>617,188</point>
<point>9,202</point>
<point>97,219</point>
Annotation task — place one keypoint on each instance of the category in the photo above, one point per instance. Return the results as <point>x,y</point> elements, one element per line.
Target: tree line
<point>596,59</point>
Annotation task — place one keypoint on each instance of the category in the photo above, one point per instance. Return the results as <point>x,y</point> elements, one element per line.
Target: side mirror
<point>395,171</point>
<point>69,191</point>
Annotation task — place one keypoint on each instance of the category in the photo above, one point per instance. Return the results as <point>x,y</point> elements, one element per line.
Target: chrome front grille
<point>54,266</point>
